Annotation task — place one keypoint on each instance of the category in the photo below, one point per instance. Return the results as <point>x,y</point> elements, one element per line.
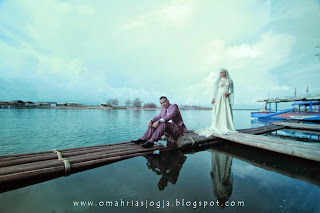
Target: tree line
<point>131,103</point>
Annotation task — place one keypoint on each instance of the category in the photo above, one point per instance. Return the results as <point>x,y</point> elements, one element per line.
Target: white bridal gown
<point>222,122</point>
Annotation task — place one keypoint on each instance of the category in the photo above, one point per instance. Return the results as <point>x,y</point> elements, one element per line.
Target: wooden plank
<point>191,138</point>
<point>303,131</point>
<point>310,154</point>
<point>299,125</point>
<point>280,141</point>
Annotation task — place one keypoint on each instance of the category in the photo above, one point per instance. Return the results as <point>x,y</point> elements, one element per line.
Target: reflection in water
<point>293,167</point>
<point>112,115</point>
<point>261,122</point>
<point>166,164</point>
<point>137,114</point>
<point>300,135</point>
<point>222,177</point>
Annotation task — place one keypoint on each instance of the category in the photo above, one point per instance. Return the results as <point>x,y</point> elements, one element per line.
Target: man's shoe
<point>138,141</point>
<point>147,144</point>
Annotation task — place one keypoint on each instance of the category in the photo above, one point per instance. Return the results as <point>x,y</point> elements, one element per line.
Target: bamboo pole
<point>69,149</point>
<point>32,154</point>
<point>76,165</point>
<point>23,162</point>
<point>52,155</point>
<point>72,160</point>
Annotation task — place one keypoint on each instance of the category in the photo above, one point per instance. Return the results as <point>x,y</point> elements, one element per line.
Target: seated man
<point>169,122</point>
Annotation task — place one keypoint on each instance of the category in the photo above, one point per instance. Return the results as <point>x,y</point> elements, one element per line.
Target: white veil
<point>231,86</point>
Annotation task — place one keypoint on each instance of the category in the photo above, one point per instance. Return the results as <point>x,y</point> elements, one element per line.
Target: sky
<point>91,51</point>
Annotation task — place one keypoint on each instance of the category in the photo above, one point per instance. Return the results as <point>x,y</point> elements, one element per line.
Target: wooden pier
<point>21,170</point>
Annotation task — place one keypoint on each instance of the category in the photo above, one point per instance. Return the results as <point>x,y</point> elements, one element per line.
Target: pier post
<point>269,107</point>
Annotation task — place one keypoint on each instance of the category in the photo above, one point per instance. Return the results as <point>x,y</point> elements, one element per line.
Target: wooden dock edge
<point>302,152</point>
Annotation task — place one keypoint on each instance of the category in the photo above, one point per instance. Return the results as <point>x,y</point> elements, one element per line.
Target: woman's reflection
<point>167,164</point>
<point>222,178</point>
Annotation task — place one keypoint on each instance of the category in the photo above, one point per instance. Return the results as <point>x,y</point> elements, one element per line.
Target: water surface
<point>264,181</point>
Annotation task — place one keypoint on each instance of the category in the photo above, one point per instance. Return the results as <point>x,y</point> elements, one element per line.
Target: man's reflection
<point>167,164</point>
<point>222,177</point>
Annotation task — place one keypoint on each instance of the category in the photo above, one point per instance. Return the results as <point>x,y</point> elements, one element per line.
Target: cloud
<point>59,66</point>
<point>25,53</point>
<point>271,50</point>
<point>200,92</point>
<point>175,13</point>
<point>134,24</point>
<point>276,87</point>
<point>249,65</point>
<point>94,50</point>
<point>245,51</point>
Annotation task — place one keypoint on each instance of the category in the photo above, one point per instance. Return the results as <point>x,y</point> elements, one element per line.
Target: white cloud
<point>59,66</point>
<point>245,51</point>
<point>175,13</point>
<point>24,52</point>
<point>249,66</point>
<point>134,24</point>
<point>281,88</point>
<point>200,92</point>
<point>271,50</point>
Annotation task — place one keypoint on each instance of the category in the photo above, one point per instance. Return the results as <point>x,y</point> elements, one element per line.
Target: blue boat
<point>304,108</point>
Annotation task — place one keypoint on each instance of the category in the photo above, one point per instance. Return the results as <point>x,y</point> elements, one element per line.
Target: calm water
<point>264,181</point>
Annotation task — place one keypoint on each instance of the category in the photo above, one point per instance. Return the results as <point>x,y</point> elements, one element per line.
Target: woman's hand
<point>212,102</point>
<point>226,94</point>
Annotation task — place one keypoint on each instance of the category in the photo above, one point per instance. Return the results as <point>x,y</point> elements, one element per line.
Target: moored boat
<point>304,108</point>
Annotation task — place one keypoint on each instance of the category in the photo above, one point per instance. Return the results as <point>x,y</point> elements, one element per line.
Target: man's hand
<point>212,102</point>
<point>155,124</point>
<point>149,123</point>
<point>226,94</point>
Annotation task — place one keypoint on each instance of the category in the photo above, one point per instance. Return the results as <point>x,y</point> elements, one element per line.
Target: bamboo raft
<point>20,170</point>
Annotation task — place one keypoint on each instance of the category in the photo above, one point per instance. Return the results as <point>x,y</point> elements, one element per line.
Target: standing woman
<point>222,121</point>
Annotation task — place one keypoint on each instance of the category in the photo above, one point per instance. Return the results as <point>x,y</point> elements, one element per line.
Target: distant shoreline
<point>118,108</point>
